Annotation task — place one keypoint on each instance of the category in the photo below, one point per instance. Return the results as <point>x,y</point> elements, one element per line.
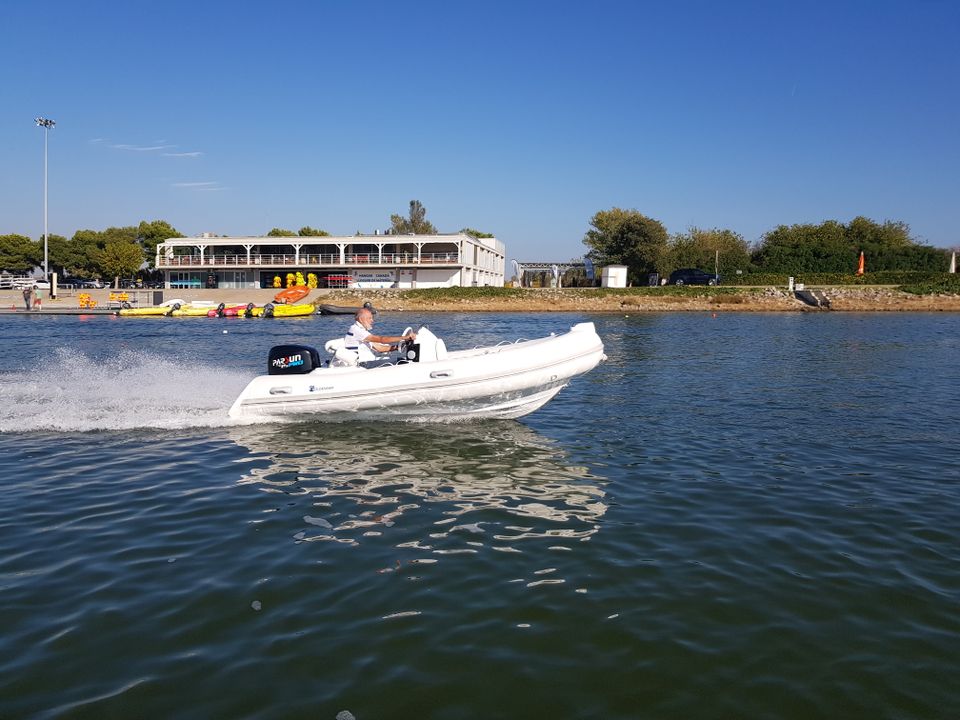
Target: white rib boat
<point>427,383</point>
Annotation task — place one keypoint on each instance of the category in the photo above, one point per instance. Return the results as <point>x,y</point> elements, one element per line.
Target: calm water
<point>741,516</point>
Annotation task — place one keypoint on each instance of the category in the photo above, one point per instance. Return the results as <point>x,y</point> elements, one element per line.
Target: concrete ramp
<point>813,298</point>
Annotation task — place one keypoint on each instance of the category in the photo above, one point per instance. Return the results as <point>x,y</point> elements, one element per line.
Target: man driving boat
<point>361,340</point>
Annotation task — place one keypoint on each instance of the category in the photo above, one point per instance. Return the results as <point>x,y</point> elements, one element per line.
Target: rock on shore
<point>859,299</point>
<point>579,300</point>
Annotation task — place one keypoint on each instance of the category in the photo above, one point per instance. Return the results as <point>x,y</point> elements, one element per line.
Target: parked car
<point>91,284</point>
<point>693,276</point>
<point>31,283</point>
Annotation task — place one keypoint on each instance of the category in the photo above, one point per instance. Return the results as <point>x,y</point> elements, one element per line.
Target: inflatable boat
<point>324,309</point>
<point>270,310</point>
<point>426,382</point>
<point>153,311</point>
<point>293,294</point>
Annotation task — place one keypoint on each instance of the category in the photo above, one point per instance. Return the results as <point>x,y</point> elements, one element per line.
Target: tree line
<point>627,237</point>
<point>125,251</point>
<point>114,252</point>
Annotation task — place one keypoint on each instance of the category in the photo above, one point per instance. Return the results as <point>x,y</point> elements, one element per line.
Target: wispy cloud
<point>143,148</point>
<point>208,185</point>
<point>161,147</point>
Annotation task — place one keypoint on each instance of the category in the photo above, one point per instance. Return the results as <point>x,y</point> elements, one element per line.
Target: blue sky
<point>517,118</point>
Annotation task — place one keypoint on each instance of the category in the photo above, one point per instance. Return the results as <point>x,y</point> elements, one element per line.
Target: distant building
<point>360,261</point>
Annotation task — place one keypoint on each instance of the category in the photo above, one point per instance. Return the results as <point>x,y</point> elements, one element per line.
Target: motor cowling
<point>292,360</point>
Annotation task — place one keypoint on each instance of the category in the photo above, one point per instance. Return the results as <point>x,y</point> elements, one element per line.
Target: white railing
<point>211,261</point>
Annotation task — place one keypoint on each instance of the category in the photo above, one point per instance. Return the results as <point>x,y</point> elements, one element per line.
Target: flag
<point>860,265</point>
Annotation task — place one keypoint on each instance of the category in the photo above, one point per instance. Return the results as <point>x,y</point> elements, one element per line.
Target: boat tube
<point>344,309</point>
<point>426,383</point>
<point>275,311</point>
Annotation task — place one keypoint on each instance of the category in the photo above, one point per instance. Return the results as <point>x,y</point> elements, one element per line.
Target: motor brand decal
<point>289,361</point>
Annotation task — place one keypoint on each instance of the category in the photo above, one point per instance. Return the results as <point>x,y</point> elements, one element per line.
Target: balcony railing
<point>273,260</point>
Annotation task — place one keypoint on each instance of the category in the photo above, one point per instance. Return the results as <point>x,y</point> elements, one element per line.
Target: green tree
<point>62,258</point>
<point>307,231</point>
<point>476,233</point>
<point>834,247</point>
<point>804,248</point>
<point>127,233</point>
<point>18,253</point>
<point>150,234</point>
<point>416,221</point>
<point>701,248</point>
<point>627,237</point>
<point>120,258</point>
<point>280,232</point>
<point>86,246</point>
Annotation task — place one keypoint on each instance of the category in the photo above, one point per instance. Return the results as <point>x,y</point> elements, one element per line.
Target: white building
<point>361,261</point>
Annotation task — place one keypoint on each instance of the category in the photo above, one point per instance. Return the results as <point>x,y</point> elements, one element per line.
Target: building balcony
<point>306,260</point>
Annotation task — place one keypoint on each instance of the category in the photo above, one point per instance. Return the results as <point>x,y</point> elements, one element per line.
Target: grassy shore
<point>488,299</point>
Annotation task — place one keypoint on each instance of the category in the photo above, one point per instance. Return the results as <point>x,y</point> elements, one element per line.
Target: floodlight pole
<point>46,125</point>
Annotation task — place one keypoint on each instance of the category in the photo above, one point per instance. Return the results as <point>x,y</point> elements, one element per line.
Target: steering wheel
<point>405,344</point>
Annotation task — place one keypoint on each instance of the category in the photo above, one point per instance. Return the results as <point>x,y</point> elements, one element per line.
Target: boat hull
<point>292,295</point>
<point>326,309</point>
<point>506,381</point>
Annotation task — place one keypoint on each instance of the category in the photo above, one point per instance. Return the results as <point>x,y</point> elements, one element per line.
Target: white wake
<point>70,391</point>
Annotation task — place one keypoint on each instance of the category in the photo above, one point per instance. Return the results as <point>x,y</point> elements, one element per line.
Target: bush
<point>463,293</point>
<point>883,277</point>
<point>946,284</point>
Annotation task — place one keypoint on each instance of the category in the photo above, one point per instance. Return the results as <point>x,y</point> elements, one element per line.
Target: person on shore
<point>361,340</point>
<point>28,297</point>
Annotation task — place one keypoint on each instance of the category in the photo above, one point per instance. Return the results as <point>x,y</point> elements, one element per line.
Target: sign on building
<point>373,279</point>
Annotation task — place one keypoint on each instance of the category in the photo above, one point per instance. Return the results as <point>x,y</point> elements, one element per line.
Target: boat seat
<point>344,358</point>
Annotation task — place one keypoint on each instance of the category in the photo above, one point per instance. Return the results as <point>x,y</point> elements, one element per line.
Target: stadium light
<point>47,125</point>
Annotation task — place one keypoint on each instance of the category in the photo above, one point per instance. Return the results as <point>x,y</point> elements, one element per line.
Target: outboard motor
<point>292,360</point>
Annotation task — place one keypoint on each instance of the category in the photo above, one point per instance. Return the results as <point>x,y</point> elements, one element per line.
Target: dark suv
<point>693,276</point>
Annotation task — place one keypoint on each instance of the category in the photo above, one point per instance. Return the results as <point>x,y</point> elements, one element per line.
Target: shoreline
<point>770,299</point>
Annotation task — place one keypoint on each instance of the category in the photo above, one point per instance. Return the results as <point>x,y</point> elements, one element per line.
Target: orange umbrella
<point>860,264</point>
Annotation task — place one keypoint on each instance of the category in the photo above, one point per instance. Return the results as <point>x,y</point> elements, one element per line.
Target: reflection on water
<point>496,478</point>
